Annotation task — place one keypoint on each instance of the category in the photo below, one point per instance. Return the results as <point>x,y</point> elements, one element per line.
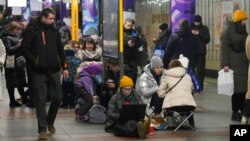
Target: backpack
<point>97,114</point>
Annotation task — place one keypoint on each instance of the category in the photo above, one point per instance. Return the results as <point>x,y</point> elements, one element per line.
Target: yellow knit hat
<point>126,81</point>
<point>239,15</point>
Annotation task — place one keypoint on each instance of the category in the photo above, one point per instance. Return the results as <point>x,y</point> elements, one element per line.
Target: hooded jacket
<point>85,77</point>
<point>182,42</point>
<point>181,94</point>
<point>203,36</point>
<point>43,49</point>
<point>237,62</point>
<point>146,85</point>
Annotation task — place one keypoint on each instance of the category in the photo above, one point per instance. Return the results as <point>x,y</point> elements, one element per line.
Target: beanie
<point>239,15</point>
<point>126,81</point>
<point>163,26</point>
<point>197,18</point>
<point>155,61</point>
<point>184,61</point>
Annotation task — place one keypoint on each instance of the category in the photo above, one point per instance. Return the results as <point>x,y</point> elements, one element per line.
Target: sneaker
<point>51,129</point>
<point>244,120</point>
<point>147,125</point>
<point>43,136</point>
<point>141,130</point>
<point>162,126</point>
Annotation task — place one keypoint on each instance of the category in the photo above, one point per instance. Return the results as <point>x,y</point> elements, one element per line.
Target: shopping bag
<point>225,82</point>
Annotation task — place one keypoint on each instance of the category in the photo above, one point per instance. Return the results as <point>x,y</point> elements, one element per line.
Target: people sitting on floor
<point>125,95</point>
<point>86,83</point>
<point>176,89</point>
<point>147,86</point>
<point>90,51</point>
<point>111,85</point>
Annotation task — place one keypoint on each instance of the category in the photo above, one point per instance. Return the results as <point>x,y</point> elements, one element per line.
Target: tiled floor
<point>212,119</point>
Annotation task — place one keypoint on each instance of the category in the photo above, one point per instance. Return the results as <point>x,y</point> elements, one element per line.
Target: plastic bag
<point>225,82</point>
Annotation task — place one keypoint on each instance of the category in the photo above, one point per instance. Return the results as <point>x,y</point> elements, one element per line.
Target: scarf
<point>92,54</point>
<point>156,77</point>
<point>131,99</point>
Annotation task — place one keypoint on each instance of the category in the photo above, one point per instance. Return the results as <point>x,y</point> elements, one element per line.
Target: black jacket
<point>43,49</point>
<point>15,77</point>
<point>182,42</point>
<point>131,54</point>
<point>203,36</point>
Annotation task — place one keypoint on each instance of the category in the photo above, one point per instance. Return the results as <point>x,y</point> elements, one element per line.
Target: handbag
<point>10,61</point>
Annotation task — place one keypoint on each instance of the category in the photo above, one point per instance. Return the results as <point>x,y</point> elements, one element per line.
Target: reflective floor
<point>212,120</point>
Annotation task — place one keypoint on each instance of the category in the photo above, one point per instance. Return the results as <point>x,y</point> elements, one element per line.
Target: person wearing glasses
<point>125,95</point>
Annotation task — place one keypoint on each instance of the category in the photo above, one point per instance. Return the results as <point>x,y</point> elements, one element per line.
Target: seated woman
<point>147,86</point>
<point>125,95</point>
<point>90,51</point>
<point>176,88</point>
<point>86,83</point>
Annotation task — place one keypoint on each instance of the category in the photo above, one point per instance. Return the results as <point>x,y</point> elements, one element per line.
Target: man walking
<point>42,47</point>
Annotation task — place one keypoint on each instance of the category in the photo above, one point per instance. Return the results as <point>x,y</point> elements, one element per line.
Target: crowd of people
<point>70,74</point>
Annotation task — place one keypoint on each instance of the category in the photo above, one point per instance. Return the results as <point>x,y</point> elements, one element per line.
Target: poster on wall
<point>26,12</point>
<point>110,28</point>
<point>218,24</point>
<point>47,3</point>
<point>129,5</point>
<point>223,13</point>
<point>90,20</point>
<point>181,9</point>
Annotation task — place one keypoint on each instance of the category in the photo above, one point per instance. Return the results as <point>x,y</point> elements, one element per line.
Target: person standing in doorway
<point>202,32</point>
<point>233,56</point>
<point>43,49</point>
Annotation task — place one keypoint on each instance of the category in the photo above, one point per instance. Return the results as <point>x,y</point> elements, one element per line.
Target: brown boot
<point>51,129</point>
<point>147,125</point>
<point>43,136</point>
<point>141,130</point>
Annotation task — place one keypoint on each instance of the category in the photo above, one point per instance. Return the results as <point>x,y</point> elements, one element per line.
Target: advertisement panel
<point>181,9</point>
<point>90,20</point>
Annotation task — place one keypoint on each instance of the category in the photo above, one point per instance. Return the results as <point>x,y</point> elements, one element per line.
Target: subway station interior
<point>104,21</point>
